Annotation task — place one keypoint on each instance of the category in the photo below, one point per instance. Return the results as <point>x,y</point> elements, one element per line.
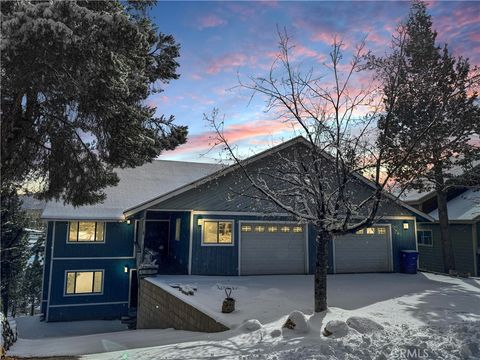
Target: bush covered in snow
<point>298,322</point>
<point>251,325</point>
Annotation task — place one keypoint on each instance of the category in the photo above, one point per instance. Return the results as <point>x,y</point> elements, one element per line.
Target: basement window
<point>425,237</point>
<point>217,232</point>
<point>83,282</point>
<point>86,231</point>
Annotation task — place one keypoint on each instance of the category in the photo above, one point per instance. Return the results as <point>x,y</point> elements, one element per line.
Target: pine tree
<point>14,248</point>
<point>75,76</point>
<point>435,102</point>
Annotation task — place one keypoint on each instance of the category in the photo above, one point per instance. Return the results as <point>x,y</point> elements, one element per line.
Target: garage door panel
<point>272,252</point>
<point>363,252</point>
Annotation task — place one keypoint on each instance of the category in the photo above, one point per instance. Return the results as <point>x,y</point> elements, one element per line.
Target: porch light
<point>405,225</point>
<point>125,269</point>
<point>200,222</point>
<point>129,222</point>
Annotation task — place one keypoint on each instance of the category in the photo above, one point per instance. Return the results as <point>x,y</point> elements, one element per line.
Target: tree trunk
<point>448,258</point>
<point>321,267</point>
<point>32,306</point>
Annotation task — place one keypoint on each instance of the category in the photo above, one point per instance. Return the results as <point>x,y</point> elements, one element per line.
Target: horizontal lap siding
<point>431,257</point>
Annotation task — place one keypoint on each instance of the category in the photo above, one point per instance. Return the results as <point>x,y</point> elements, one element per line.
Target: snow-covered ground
<point>425,315</point>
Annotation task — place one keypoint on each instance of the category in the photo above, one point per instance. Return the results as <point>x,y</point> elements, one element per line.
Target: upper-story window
<point>86,231</point>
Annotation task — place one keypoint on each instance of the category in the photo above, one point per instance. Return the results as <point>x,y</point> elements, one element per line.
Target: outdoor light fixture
<point>129,222</point>
<point>125,268</point>
<point>200,222</point>
<point>405,225</point>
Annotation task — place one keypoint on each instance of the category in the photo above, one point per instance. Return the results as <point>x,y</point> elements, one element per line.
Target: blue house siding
<point>115,288</point>
<point>214,260</point>
<point>111,257</point>
<point>118,242</point>
<point>431,257</point>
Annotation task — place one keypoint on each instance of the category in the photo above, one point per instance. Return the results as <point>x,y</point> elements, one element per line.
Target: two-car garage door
<point>272,248</point>
<point>280,248</point>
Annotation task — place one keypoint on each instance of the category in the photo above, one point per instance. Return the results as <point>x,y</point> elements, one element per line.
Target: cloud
<point>210,21</point>
<point>249,131</point>
<point>230,61</point>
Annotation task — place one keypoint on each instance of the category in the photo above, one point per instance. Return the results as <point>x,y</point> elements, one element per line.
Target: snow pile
<point>251,325</point>
<point>298,322</point>
<point>336,329</point>
<point>363,325</point>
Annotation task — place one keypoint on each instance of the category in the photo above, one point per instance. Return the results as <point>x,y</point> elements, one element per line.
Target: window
<point>259,228</point>
<point>359,232</point>
<point>217,232</point>
<point>370,230</point>
<point>246,228</point>
<point>425,237</point>
<point>297,229</point>
<point>178,226</point>
<point>272,229</point>
<point>381,230</point>
<point>84,282</point>
<point>285,229</point>
<point>86,231</point>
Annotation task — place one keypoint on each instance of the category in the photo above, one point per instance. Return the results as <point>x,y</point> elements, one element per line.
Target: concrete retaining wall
<point>158,309</point>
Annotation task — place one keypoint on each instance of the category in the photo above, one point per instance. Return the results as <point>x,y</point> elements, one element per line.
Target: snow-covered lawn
<point>427,315</point>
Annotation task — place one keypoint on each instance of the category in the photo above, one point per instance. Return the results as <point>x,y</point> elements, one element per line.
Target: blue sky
<point>220,40</point>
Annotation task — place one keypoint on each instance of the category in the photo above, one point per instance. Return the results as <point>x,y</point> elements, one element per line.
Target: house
<point>198,219</point>
<point>463,208</point>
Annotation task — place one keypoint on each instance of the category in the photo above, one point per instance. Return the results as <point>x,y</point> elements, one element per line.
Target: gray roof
<point>136,186</point>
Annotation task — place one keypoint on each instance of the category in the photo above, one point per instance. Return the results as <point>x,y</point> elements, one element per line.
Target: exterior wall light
<point>125,269</point>
<point>405,225</point>
<point>129,222</point>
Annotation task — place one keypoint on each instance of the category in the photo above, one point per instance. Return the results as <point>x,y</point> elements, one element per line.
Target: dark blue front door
<point>156,239</point>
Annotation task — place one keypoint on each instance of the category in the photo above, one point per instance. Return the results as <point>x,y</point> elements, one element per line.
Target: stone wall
<point>158,309</point>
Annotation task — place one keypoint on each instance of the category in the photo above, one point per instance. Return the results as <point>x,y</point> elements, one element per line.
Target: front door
<point>156,239</point>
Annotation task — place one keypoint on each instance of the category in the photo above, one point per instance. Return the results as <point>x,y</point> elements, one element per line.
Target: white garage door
<point>369,250</point>
<point>272,248</point>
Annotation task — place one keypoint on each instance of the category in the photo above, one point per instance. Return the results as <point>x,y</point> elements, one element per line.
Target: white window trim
<point>178,226</point>
<point>202,227</point>
<point>431,235</point>
<point>86,242</point>
<point>83,270</point>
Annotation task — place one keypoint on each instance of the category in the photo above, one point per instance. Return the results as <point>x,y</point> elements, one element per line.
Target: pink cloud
<point>210,21</point>
<point>229,61</point>
<point>234,133</point>
<point>196,76</point>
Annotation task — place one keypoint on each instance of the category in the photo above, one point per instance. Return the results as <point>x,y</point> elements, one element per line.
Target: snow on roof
<point>31,203</point>
<point>413,196</point>
<point>136,185</point>
<point>463,207</point>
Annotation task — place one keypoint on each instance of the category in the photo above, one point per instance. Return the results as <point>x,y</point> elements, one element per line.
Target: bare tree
<point>319,183</point>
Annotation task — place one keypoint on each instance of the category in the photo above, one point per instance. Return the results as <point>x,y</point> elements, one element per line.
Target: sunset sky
<point>220,39</point>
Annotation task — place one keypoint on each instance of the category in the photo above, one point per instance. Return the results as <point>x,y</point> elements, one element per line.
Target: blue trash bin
<point>408,261</point>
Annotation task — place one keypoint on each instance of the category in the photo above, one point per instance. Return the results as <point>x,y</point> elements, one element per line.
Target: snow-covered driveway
<point>432,315</point>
